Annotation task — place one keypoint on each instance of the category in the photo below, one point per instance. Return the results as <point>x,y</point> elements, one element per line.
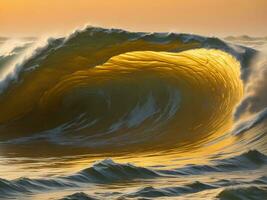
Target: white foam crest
<point>8,47</point>
<point>10,72</point>
<point>255,99</point>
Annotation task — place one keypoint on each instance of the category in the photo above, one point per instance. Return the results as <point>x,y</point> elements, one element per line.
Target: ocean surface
<point>111,114</point>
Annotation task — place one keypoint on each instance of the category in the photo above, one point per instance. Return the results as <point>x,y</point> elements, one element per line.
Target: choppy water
<point>111,114</point>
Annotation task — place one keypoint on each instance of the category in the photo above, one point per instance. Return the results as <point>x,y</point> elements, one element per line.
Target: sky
<point>204,17</point>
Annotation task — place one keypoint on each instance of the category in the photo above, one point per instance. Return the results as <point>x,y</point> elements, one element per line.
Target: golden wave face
<point>144,97</point>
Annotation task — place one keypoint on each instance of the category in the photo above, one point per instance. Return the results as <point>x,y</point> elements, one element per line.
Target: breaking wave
<point>106,89</point>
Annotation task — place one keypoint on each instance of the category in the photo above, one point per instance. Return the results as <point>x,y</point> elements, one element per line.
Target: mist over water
<point>111,114</point>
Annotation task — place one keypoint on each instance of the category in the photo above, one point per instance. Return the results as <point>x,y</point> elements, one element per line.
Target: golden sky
<point>207,17</point>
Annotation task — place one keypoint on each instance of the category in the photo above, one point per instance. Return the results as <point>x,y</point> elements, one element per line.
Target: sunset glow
<point>208,17</point>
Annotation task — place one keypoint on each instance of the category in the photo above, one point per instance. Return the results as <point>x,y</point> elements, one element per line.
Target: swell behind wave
<point>108,171</point>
